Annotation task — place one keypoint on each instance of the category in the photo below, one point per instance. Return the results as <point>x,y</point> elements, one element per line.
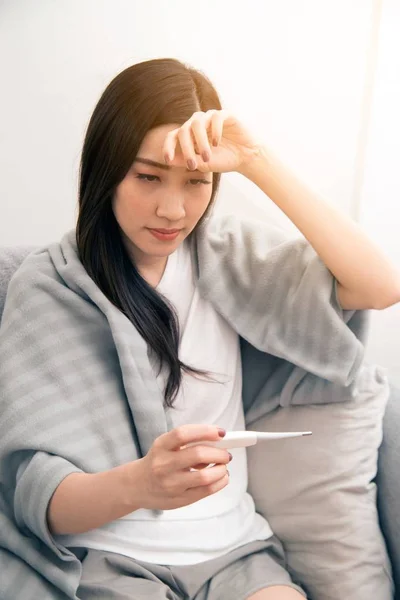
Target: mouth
<point>166,230</point>
<point>165,234</point>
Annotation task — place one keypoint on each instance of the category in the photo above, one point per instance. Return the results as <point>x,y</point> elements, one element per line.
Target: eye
<point>196,182</point>
<point>148,178</point>
<point>153,178</point>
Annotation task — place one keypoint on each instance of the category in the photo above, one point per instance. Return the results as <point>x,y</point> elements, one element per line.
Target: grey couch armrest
<point>10,260</point>
<point>388,481</point>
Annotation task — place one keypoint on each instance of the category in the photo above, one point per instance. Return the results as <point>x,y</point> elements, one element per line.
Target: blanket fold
<point>78,393</point>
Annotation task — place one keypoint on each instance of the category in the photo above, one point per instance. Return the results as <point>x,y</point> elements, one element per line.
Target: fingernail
<point>230,456</point>
<point>166,158</point>
<point>215,142</point>
<point>227,472</point>
<point>206,156</point>
<point>221,432</point>
<point>191,164</point>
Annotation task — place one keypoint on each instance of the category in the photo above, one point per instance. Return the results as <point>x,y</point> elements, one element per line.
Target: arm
<point>162,480</point>
<point>84,501</point>
<point>366,279</point>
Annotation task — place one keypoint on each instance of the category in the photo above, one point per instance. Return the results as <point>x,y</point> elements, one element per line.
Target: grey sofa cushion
<point>317,495</point>
<point>10,260</point>
<point>388,481</point>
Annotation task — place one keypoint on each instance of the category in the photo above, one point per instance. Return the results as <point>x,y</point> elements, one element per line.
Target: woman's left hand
<point>210,141</point>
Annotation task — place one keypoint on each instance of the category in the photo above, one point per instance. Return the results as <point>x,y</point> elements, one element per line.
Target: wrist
<point>257,164</point>
<point>130,480</point>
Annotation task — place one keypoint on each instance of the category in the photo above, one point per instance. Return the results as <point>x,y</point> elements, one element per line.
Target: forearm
<point>84,501</point>
<point>349,254</point>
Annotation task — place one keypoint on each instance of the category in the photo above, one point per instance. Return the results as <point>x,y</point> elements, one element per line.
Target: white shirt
<point>227,519</point>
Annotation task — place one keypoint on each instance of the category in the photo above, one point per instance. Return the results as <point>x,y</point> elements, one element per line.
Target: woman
<point>143,515</point>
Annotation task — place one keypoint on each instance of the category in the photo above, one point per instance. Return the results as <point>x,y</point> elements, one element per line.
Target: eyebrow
<point>153,163</point>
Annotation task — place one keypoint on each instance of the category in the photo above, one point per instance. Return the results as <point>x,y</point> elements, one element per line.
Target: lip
<point>165,234</point>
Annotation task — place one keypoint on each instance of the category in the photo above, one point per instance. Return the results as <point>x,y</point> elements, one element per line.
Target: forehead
<point>154,139</point>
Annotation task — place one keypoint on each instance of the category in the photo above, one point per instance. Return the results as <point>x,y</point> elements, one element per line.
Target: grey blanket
<point>77,391</point>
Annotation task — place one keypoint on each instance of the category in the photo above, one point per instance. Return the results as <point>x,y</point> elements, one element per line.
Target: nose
<point>171,207</point>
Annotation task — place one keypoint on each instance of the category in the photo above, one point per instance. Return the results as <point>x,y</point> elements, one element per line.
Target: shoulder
<point>35,267</point>
<point>232,225</point>
<point>27,273</point>
<point>233,234</point>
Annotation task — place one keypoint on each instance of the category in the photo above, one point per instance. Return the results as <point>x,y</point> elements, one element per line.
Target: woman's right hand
<point>166,480</point>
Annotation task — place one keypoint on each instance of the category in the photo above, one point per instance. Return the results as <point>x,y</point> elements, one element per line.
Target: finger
<point>169,146</point>
<point>205,478</point>
<point>186,434</point>
<point>201,466</point>
<point>201,455</point>
<point>187,146</point>
<point>195,494</point>
<point>217,126</point>
<point>199,131</point>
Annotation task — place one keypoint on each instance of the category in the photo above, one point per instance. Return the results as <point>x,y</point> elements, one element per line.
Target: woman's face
<point>158,197</point>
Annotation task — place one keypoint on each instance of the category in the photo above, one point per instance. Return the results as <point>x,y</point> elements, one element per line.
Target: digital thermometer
<point>241,439</point>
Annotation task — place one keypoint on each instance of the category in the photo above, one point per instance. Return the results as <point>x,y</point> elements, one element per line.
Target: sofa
<point>388,479</point>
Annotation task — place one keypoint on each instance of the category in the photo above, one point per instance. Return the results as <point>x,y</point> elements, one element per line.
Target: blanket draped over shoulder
<point>78,394</point>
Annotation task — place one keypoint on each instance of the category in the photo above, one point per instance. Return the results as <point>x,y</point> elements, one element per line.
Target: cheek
<point>196,204</point>
<point>119,208</point>
<point>129,204</point>
<point>202,204</point>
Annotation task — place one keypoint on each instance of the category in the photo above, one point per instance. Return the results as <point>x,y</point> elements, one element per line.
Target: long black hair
<point>143,96</point>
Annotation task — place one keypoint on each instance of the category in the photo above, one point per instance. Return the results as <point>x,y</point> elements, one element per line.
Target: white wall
<point>380,189</point>
<point>297,71</point>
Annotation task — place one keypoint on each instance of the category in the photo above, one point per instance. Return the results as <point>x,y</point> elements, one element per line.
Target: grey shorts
<point>234,576</point>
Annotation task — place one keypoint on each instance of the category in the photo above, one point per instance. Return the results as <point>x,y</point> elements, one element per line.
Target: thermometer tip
<point>307,433</point>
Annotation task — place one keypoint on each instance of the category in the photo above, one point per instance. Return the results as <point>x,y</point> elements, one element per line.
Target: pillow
<point>318,495</point>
